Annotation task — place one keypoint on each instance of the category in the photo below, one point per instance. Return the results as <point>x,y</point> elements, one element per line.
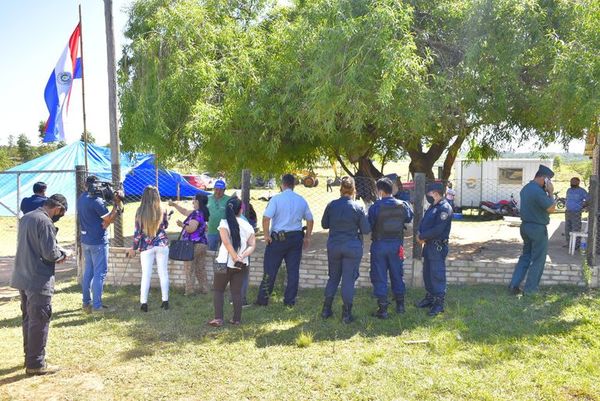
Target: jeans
<point>147,257</point>
<point>532,260</point>
<point>384,261</point>
<point>291,250</point>
<point>96,266</point>
<point>214,241</point>
<point>36,312</point>
<point>572,223</point>
<point>344,262</point>
<point>434,269</point>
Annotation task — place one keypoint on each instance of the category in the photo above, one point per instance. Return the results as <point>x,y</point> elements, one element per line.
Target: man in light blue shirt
<point>282,228</point>
<point>576,201</point>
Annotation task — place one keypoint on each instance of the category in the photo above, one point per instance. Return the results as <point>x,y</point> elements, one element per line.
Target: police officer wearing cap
<point>434,232</point>
<point>284,237</point>
<point>537,202</point>
<point>387,217</point>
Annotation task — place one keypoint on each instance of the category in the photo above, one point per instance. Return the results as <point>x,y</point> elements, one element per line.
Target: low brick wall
<point>313,271</point>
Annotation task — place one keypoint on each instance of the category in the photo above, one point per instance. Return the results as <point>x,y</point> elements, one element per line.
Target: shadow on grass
<point>482,314</point>
<point>13,379</point>
<point>479,314</point>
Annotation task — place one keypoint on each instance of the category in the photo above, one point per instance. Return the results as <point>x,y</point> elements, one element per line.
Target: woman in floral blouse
<point>150,239</point>
<point>194,229</point>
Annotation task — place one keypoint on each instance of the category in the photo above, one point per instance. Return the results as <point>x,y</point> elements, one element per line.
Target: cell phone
<point>546,181</point>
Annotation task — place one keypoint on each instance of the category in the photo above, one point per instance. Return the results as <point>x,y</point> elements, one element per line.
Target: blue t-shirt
<point>534,204</point>
<point>32,203</point>
<point>575,199</point>
<point>286,211</point>
<point>91,211</point>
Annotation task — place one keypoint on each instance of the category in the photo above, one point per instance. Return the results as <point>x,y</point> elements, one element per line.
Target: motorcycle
<point>501,208</point>
<point>560,201</point>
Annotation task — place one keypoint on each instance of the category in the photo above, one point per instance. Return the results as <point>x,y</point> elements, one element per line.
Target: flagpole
<point>85,135</point>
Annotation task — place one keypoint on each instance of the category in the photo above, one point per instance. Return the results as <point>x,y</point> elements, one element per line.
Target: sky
<point>34,33</point>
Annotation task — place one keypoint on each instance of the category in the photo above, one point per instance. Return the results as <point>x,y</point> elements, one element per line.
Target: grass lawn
<point>487,346</point>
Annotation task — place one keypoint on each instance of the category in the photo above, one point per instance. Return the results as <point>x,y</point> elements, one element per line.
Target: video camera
<point>105,190</point>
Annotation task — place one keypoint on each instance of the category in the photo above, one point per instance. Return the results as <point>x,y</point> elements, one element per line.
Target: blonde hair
<point>149,214</point>
<point>347,186</point>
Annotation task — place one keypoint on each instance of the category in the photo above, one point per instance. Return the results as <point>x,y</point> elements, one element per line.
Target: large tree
<point>273,88</point>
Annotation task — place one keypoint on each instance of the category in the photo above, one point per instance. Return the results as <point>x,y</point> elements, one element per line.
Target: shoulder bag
<point>181,249</point>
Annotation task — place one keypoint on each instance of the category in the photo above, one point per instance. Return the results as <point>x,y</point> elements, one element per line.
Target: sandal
<point>216,323</point>
<point>234,322</point>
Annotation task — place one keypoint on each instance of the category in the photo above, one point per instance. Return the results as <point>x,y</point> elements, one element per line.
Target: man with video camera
<point>94,219</point>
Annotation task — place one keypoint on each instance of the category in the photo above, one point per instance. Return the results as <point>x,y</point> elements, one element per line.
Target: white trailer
<point>493,180</point>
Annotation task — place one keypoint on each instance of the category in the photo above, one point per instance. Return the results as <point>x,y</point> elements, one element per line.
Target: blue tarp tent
<point>137,169</point>
<point>170,183</point>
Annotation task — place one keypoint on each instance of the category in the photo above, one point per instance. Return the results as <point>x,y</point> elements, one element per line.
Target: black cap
<point>91,179</point>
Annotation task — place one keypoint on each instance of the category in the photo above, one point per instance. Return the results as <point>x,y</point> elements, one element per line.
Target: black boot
<point>400,304</point>
<point>425,302</point>
<point>437,307</point>
<point>347,314</point>
<point>165,305</point>
<point>381,312</point>
<point>144,307</point>
<point>327,312</point>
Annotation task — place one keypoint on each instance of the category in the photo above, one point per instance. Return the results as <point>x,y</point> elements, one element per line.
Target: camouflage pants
<point>196,268</point>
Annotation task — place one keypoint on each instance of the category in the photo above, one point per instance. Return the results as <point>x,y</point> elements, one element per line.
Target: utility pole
<point>115,151</point>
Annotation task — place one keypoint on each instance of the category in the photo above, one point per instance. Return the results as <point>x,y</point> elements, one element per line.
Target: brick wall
<point>313,271</point>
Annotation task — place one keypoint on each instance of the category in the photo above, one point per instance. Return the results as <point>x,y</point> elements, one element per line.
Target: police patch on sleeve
<point>444,216</point>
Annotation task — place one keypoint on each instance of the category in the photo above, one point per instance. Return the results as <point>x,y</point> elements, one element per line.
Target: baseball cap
<point>435,186</point>
<point>220,184</point>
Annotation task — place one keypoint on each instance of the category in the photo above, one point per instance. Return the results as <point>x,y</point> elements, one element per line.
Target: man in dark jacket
<point>33,276</point>
<point>36,200</point>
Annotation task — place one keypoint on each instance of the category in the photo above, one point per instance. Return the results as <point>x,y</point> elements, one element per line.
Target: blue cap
<point>544,171</point>
<point>220,184</point>
<point>435,186</point>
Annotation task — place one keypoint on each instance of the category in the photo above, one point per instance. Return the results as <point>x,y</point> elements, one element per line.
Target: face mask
<point>56,217</point>
<point>429,199</point>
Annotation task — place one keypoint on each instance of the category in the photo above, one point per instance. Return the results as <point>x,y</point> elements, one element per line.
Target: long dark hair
<point>234,205</point>
<point>202,202</point>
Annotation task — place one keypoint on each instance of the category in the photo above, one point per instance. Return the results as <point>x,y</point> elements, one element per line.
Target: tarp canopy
<point>57,168</point>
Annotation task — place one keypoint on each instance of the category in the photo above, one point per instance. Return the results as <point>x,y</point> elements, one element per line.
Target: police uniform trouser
<point>384,259</point>
<point>532,260</point>
<point>434,268</point>
<point>344,262</point>
<point>36,311</point>
<point>289,250</point>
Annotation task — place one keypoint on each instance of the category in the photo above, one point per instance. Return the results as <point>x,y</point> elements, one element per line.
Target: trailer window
<point>510,176</point>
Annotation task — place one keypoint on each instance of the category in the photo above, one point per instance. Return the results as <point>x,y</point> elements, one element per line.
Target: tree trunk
<point>451,157</point>
<point>421,163</point>
<point>366,168</point>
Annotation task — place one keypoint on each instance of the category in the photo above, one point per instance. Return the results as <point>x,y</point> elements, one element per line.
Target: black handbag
<point>181,249</point>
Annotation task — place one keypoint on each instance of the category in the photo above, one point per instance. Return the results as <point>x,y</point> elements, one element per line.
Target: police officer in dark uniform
<point>387,217</point>
<point>434,232</point>
<point>537,202</point>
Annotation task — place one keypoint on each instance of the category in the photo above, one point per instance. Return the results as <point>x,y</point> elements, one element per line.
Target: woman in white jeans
<point>150,239</point>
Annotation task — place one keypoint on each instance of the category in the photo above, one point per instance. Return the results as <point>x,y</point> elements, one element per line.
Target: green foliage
<point>245,84</point>
<point>584,169</point>
<point>24,149</point>
<point>557,163</point>
<point>5,159</point>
